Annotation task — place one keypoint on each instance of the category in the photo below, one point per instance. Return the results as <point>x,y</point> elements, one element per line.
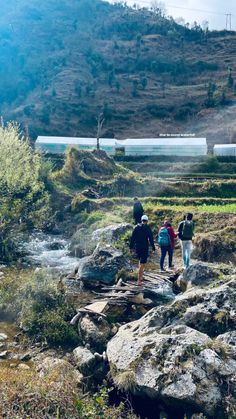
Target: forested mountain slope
<point>65,61</point>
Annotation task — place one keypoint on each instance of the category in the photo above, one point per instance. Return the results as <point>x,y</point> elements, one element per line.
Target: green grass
<point>227,208</point>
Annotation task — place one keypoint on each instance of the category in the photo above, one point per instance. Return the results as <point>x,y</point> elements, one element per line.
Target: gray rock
<point>84,360</point>
<point>83,242</point>
<point>59,368</point>
<point>102,266</point>
<point>111,233</point>
<point>199,274</point>
<point>94,333</point>
<point>3,336</point>
<point>3,355</point>
<point>228,338</point>
<point>169,353</point>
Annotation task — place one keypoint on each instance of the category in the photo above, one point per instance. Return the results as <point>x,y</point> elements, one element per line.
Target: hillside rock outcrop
<point>183,353</point>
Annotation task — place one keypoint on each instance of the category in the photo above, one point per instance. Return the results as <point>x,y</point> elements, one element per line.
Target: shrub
<point>23,196</point>
<point>45,313</point>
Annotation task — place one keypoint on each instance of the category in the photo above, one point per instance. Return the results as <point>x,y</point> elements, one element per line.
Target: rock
<point>25,357</point>
<point>84,360</point>
<point>81,244</point>
<point>228,338</point>
<point>70,286</point>
<point>23,367</point>
<point>102,267</point>
<point>59,369</point>
<point>111,233</point>
<point>55,245</point>
<point>3,355</point>
<point>3,336</point>
<point>199,274</point>
<point>84,243</point>
<point>95,333</point>
<point>182,353</point>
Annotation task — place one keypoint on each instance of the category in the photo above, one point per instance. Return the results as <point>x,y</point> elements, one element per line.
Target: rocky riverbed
<point>169,342</point>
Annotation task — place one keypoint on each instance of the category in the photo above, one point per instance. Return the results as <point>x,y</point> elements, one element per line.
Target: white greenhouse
<point>226,150</point>
<point>181,146</point>
<point>58,145</point>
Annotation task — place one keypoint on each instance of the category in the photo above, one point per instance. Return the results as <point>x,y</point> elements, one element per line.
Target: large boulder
<point>102,266</point>
<point>173,353</point>
<point>199,274</point>
<point>83,242</point>
<point>111,233</point>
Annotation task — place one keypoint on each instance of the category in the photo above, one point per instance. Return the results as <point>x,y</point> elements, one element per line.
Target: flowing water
<point>48,251</point>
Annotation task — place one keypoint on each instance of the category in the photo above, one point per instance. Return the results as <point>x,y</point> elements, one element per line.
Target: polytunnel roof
<point>225,146</point>
<point>74,140</point>
<point>165,141</point>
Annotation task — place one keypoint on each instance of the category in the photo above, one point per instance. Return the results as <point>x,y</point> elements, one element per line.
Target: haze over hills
<point>64,62</point>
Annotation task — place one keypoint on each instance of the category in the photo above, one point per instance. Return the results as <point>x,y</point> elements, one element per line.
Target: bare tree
<point>100,122</point>
<point>158,7</point>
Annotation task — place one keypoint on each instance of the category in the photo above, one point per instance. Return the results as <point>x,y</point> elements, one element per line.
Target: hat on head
<point>144,218</point>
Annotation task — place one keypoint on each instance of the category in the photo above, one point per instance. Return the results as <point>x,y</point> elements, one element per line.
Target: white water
<point>47,251</point>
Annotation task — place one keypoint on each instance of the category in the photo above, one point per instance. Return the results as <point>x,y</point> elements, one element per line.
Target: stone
<point>199,274</point>
<point>60,369</point>
<point>23,367</point>
<point>3,355</point>
<point>83,243</point>
<point>182,353</point>
<point>3,336</point>
<point>102,267</point>
<point>94,333</point>
<point>84,359</point>
<point>111,233</point>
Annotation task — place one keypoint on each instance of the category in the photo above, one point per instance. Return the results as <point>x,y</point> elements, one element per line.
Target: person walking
<point>185,233</point>
<point>141,238</point>
<point>166,241</point>
<point>138,211</point>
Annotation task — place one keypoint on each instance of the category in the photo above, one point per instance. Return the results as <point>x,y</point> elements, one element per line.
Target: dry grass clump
<point>24,394</point>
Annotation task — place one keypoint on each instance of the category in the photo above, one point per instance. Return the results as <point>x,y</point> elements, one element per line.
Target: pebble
<point>3,354</point>
<point>3,336</point>
<point>23,367</point>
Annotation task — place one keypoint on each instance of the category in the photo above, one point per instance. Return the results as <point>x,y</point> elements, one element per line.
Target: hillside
<point>69,60</point>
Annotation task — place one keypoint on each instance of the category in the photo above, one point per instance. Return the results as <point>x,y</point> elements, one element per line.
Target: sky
<point>214,11</point>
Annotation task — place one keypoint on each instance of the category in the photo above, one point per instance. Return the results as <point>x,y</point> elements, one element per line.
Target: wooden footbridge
<point>114,299</point>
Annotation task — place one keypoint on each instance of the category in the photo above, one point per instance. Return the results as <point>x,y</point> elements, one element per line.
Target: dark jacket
<point>138,210</point>
<point>141,238</point>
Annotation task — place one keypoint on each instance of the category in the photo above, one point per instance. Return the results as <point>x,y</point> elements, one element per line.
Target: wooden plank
<point>98,307</point>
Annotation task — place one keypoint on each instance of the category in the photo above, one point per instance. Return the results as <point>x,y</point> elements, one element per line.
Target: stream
<point>40,251</point>
<point>48,251</point>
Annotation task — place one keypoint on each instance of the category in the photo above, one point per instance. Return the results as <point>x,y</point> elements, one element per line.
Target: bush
<point>33,300</point>
<point>45,313</point>
<point>23,196</point>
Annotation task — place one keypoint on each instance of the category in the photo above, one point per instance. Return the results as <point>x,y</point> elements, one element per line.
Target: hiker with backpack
<point>166,240</point>
<point>141,238</point>
<point>185,233</point>
<point>137,211</point>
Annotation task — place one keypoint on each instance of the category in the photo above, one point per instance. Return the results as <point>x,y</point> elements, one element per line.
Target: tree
<point>211,88</point>
<point>144,82</point>
<point>230,80</point>
<point>23,197</point>
<point>100,122</point>
<point>158,7</point>
<point>135,88</point>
